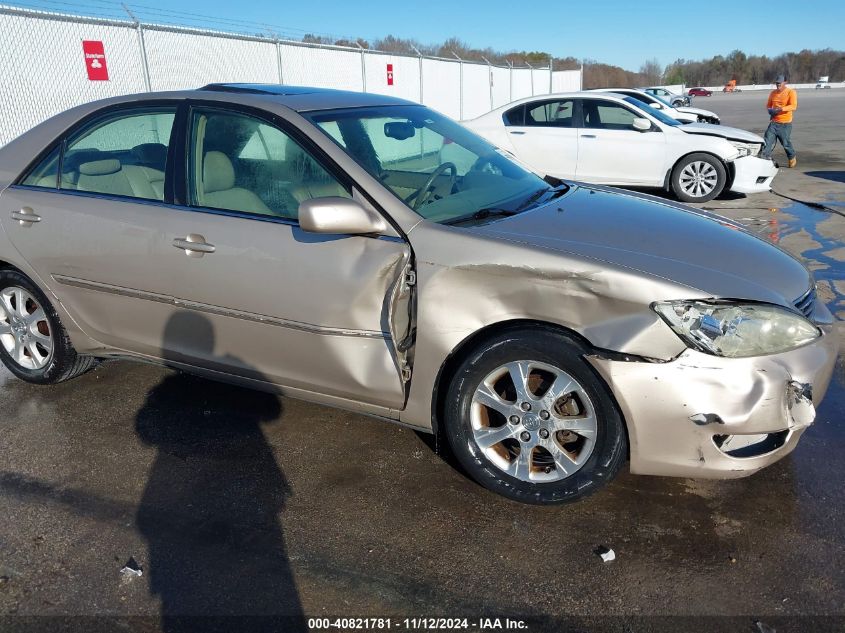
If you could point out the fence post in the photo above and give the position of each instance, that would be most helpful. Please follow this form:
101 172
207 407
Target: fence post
420 56
279 61
551 75
489 79
461 83
531 69
510 79
363 67
141 47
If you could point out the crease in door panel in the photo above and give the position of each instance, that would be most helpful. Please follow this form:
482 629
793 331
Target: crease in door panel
217 310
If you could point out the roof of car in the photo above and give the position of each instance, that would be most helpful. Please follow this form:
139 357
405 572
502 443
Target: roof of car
582 94
307 98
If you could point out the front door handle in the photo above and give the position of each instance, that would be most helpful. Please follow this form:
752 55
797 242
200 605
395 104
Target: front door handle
26 216
516 132
588 136
194 245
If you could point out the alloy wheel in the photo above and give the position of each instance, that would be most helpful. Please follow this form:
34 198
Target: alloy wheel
698 179
533 421
25 332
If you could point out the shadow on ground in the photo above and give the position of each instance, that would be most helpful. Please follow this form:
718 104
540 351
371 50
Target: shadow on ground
211 509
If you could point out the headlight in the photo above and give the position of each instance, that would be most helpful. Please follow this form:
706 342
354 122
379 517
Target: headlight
736 330
746 149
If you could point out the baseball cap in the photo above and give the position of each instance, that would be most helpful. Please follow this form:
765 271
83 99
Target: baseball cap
780 79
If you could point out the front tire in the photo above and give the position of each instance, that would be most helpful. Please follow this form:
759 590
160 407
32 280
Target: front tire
34 345
527 418
698 178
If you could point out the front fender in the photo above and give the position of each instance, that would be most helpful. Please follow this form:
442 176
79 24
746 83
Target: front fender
490 282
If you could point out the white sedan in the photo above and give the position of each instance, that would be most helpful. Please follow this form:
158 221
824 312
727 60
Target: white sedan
609 139
684 114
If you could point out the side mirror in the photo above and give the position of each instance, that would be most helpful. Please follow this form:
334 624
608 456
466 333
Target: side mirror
642 125
656 106
338 215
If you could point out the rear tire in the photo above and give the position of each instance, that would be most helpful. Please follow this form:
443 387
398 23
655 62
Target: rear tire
698 178
556 438
34 344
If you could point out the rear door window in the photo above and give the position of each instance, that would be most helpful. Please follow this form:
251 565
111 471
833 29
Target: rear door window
124 154
558 113
515 116
46 172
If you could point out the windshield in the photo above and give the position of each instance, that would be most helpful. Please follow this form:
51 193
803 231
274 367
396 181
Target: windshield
440 169
661 100
657 114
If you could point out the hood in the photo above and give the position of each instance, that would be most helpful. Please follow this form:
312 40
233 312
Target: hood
732 133
697 111
682 244
680 115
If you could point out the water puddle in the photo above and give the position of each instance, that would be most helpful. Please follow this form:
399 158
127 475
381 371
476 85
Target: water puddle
796 227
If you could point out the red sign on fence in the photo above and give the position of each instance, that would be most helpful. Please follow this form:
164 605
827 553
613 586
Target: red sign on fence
390 74
95 60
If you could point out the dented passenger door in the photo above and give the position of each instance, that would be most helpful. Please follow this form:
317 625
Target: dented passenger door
312 312
325 313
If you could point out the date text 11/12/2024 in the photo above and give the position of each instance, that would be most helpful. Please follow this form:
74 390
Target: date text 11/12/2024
416 624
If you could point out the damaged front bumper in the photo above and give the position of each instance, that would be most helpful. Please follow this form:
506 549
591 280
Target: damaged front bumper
753 174
706 416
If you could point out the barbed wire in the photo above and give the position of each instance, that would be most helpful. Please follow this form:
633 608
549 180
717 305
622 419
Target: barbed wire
112 10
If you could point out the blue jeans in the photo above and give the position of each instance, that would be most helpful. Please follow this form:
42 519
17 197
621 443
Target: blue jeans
778 132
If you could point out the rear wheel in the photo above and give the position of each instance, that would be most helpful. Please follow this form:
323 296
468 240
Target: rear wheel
34 345
698 178
528 419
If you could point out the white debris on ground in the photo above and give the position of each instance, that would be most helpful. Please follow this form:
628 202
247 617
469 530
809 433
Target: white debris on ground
132 568
607 554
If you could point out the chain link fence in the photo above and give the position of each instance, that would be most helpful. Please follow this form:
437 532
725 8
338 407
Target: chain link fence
44 72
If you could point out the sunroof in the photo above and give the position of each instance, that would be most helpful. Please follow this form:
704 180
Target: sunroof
268 89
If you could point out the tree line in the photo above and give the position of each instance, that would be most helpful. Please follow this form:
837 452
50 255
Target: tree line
449 49
805 66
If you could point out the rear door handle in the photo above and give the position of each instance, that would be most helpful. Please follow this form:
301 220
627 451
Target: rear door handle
194 245
26 216
515 132
588 136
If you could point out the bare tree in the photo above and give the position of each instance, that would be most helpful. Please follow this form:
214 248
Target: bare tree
652 71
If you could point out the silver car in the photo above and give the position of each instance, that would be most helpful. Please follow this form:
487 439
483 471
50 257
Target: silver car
309 242
675 100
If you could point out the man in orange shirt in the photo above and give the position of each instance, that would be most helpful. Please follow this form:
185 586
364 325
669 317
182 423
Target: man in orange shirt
783 101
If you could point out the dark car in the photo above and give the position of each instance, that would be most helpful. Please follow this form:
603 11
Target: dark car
699 92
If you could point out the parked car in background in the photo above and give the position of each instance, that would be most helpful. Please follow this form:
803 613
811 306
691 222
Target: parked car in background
684 114
823 82
699 92
673 99
608 138
311 243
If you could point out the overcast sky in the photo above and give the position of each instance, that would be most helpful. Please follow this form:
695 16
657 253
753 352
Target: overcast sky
624 33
